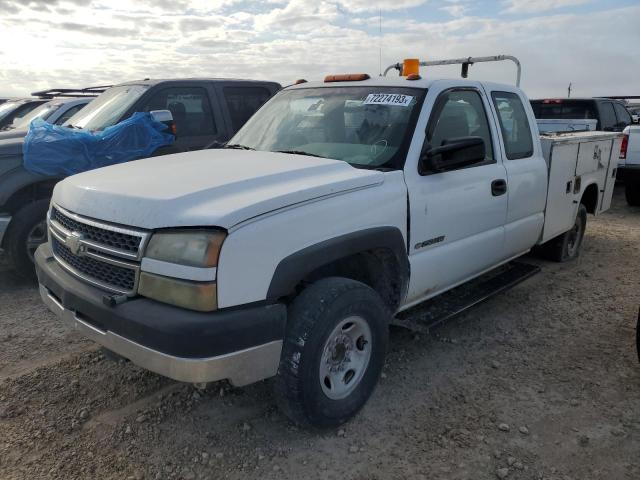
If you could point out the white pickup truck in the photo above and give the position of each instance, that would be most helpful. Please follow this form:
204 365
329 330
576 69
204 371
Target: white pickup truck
337 206
629 164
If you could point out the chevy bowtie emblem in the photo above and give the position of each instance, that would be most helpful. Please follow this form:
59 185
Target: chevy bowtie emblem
74 243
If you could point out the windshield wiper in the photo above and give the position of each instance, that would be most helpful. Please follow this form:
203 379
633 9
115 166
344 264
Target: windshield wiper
237 146
299 152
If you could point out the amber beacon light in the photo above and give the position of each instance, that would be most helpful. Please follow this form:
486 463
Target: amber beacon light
410 66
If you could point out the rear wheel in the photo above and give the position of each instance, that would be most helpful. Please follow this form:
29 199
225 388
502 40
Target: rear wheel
333 353
632 192
566 247
26 232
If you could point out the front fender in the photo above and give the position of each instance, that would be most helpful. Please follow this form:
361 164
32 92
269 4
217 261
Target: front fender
294 268
17 179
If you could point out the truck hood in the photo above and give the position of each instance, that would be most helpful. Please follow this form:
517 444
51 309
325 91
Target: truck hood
11 146
206 188
19 133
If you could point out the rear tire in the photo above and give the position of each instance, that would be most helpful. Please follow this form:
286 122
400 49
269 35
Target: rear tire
567 246
333 353
27 231
632 193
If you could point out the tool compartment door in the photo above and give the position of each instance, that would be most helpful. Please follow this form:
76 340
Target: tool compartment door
560 212
611 168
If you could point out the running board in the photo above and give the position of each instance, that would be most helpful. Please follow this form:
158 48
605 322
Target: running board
445 306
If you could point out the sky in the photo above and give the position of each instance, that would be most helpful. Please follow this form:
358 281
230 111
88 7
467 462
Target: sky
594 44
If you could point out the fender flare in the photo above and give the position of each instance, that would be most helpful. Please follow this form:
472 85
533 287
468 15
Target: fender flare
17 179
294 268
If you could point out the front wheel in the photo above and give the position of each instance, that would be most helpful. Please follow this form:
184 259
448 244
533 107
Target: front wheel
333 353
26 232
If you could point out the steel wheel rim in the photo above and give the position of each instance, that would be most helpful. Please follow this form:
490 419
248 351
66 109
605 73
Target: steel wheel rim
345 357
36 237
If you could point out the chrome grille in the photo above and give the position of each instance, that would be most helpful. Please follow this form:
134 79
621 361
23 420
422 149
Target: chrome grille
107 274
102 254
109 238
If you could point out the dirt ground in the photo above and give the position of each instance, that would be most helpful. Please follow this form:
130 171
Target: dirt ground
540 382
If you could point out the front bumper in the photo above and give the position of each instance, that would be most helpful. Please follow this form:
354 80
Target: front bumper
241 345
4 224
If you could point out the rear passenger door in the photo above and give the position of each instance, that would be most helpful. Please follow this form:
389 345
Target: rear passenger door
193 114
526 170
240 102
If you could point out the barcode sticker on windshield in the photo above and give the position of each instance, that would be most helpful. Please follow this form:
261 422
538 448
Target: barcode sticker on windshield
388 99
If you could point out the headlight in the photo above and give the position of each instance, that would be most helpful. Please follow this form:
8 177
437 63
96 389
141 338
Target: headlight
195 248
179 268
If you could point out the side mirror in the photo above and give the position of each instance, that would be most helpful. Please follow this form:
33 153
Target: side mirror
454 153
166 117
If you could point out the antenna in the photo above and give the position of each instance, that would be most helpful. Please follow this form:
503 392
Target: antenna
380 41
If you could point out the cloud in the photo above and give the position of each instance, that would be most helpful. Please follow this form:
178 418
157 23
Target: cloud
112 41
535 6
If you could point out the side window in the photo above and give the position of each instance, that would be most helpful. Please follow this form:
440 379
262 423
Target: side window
190 108
69 113
460 113
514 124
243 102
607 116
624 118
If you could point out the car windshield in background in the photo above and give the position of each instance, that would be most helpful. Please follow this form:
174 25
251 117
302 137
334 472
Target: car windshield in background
43 111
7 107
363 126
107 108
564 109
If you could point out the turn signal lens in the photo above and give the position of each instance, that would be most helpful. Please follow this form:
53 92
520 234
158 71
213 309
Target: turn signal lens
410 66
200 296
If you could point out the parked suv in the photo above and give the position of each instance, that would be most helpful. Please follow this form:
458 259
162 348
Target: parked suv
611 115
16 108
204 111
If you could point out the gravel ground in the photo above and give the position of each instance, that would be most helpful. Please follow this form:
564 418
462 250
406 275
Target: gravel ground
539 382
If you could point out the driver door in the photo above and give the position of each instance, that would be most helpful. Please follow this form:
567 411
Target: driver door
457 216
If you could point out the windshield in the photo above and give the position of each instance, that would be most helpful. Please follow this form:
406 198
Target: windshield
364 126
44 111
107 108
7 107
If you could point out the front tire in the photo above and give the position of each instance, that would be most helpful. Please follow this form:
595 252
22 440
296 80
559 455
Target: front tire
632 193
333 352
26 232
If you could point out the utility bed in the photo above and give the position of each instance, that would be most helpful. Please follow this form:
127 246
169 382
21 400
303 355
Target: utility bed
575 159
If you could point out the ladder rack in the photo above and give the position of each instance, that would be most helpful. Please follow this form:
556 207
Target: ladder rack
465 62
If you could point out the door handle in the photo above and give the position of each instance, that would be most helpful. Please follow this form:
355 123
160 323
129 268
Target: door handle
498 187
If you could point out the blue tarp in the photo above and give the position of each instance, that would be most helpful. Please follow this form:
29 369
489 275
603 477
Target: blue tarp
60 151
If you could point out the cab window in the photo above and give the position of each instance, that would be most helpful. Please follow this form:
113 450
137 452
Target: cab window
514 125
460 113
189 107
624 119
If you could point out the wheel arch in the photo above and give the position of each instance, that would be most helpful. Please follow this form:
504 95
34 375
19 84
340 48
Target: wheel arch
590 197
375 256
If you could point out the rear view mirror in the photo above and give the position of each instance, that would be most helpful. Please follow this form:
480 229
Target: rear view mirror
166 117
454 153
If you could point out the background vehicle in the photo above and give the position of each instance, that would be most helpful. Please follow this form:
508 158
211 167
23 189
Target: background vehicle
629 164
611 115
338 206
63 104
16 108
204 111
